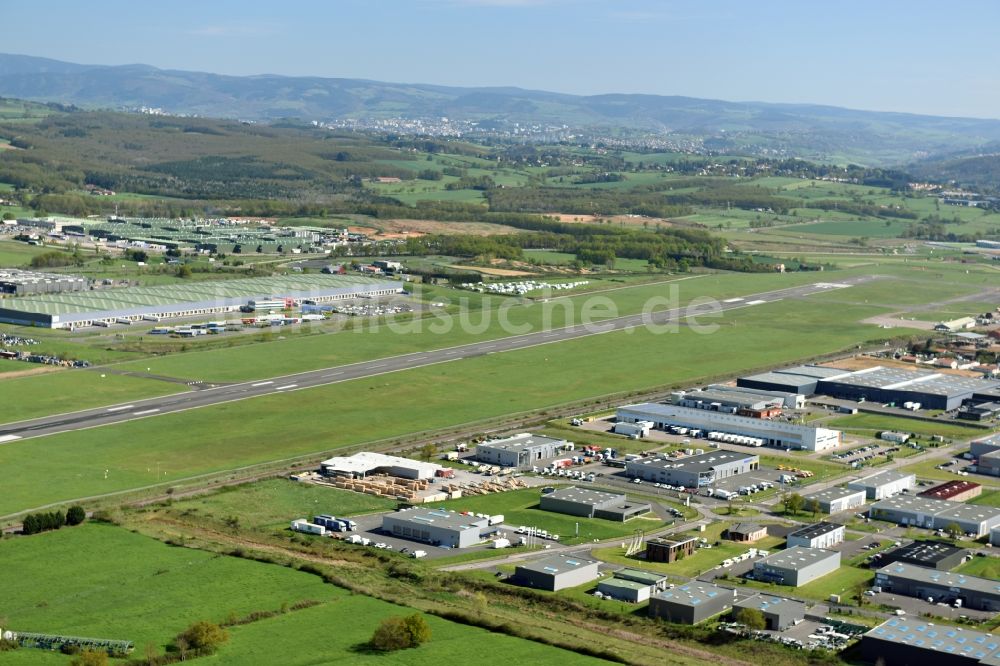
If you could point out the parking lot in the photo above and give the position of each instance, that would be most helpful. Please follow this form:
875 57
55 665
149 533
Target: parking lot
918 607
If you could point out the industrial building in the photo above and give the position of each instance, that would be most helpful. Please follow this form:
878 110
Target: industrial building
984 446
691 603
632 585
995 536
670 550
893 385
937 514
796 566
556 572
521 450
954 491
637 429
779 613
131 304
883 484
362 464
437 527
24 283
772 433
800 379
588 503
941 586
818 535
746 532
911 642
693 471
787 400
730 401
835 500
989 464
930 554
986 451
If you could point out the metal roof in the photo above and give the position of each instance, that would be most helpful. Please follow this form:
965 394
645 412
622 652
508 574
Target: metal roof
585 495
695 593
521 441
768 603
797 557
439 518
815 530
556 564
703 462
880 479
947 579
836 493
945 639
906 379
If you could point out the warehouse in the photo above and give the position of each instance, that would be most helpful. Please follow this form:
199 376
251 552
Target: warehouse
796 566
989 464
637 429
954 491
437 527
732 401
883 484
930 554
360 465
632 585
937 514
981 447
588 503
910 642
801 379
521 450
941 586
691 603
779 613
835 500
787 400
893 385
24 283
818 535
995 536
110 306
669 550
556 573
746 532
773 433
692 471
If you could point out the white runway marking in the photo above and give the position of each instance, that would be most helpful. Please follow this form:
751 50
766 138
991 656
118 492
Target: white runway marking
145 411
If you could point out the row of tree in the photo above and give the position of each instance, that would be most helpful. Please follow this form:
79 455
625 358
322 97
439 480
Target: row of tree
34 523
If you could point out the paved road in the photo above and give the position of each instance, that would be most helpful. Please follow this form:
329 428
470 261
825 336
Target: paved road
215 395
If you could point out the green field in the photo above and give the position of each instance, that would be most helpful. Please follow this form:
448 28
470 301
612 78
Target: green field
703 559
103 581
843 582
869 424
987 498
520 507
15 254
985 567
275 502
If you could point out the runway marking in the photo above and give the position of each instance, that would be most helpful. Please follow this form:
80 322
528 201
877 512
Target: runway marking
285 387
732 300
8 438
755 302
118 409
145 411
261 384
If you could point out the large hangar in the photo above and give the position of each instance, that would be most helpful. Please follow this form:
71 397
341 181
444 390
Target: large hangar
128 304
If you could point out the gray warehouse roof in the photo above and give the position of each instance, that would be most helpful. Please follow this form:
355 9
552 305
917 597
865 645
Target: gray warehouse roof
797 557
702 462
943 509
905 379
815 530
585 495
949 640
521 441
941 578
439 518
694 593
556 564
830 494
768 603
881 479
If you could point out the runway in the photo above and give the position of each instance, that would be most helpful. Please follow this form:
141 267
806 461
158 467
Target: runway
205 397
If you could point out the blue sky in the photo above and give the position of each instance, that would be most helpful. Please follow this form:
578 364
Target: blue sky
915 55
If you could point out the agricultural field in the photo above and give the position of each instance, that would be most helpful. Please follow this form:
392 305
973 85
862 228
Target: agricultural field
116 584
520 507
703 559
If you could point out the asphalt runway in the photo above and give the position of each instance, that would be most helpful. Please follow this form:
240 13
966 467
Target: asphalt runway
215 395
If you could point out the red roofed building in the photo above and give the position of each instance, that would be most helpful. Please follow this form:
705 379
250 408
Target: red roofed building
954 491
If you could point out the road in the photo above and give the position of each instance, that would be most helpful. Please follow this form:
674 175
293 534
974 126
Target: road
214 395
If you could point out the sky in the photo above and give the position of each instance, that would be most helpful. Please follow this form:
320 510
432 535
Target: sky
913 56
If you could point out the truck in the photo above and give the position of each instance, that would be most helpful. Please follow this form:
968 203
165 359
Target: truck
721 494
303 525
496 520
335 524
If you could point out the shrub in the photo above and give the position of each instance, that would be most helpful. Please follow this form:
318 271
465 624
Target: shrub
203 636
90 658
399 633
75 515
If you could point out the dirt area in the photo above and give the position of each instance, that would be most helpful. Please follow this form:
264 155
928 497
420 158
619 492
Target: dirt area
27 372
862 362
635 220
403 228
889 321
501 272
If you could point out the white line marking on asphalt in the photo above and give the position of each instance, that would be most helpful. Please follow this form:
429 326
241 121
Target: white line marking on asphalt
8 438
285 387
145 411
118 409
261 384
